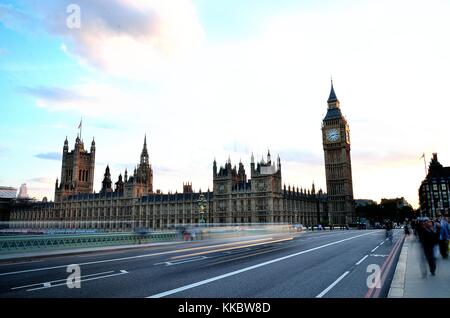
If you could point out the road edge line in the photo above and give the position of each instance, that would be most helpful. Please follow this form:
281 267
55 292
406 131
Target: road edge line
397 288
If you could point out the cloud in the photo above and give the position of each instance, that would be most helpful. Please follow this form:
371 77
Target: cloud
389 158
237 147
124 36
301 157
41 180
269 90
88 97
49 156
165 170
55 94
108 125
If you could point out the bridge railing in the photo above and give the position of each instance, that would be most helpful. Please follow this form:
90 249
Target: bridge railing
23 243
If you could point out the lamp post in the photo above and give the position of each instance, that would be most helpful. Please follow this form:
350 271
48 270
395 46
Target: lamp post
202 207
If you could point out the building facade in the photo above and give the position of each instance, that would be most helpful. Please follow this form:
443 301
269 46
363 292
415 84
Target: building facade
132 204
7 197
338 166
77 170
434 190
235 198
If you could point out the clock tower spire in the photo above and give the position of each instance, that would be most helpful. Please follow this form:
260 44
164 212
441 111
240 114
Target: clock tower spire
338 168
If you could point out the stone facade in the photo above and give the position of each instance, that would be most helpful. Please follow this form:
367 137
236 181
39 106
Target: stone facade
235 198
338 166
133 204
77 171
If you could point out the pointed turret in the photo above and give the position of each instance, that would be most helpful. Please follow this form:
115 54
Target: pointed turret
106 183
144 153
332 97
333 101
93 145
66 147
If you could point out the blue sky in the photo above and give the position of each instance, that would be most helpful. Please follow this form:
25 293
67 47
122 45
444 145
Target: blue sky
211 79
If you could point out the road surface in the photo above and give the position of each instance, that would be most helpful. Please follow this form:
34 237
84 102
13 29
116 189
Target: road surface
336 264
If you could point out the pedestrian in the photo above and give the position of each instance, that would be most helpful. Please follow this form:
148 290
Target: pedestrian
444 235
407 229
429 239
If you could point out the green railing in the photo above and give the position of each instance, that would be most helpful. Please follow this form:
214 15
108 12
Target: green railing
25 243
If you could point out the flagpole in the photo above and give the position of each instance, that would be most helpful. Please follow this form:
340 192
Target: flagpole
425 164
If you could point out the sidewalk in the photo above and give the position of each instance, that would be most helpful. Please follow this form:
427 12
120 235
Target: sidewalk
409 280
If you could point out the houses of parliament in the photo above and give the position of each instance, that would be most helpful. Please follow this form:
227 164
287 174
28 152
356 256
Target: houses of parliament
131 202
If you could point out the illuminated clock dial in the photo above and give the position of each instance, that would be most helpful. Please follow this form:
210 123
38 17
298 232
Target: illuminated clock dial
332 135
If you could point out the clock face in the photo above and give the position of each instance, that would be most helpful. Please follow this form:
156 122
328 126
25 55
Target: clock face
332 135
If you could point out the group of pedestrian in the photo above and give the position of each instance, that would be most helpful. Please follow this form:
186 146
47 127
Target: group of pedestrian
434 236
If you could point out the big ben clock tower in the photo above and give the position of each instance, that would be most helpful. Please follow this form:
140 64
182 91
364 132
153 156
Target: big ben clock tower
338 167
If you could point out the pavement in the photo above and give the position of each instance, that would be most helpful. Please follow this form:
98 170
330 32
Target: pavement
319 264
410 280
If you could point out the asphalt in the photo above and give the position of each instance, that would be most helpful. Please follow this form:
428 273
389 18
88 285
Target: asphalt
319 264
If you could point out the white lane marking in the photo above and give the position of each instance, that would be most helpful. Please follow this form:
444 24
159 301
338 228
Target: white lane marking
183 261
60 280
326 290
379 255
239 247
47 284
362 260
186 261
381 243
374 249
127 258
122 272
206 281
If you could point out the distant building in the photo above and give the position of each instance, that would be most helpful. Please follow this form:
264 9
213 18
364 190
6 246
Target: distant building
133 204
364 202
399 202
7 196
23 192
434 189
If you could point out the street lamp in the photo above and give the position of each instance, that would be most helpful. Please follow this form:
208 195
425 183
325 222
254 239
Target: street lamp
202 207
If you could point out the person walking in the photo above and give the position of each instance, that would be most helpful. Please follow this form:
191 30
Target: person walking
407 228
429 238
444 235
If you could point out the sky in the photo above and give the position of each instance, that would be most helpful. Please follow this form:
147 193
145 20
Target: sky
216 79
